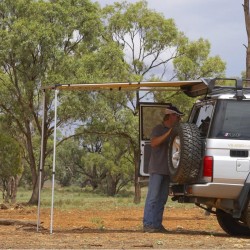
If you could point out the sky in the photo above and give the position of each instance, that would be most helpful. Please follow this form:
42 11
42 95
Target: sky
221 22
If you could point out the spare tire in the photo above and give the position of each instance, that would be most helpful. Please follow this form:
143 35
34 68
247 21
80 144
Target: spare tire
184 153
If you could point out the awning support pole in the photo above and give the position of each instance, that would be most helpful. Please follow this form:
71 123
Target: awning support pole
54 164
41 162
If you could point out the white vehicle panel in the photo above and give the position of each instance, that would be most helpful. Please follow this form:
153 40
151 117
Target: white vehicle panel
226 168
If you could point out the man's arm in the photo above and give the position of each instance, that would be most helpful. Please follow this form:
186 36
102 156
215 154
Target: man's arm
156 141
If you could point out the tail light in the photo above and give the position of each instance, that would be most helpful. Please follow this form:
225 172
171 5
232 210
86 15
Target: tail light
208 163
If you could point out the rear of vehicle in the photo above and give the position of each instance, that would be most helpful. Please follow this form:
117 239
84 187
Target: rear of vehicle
226 147
209 156
224 124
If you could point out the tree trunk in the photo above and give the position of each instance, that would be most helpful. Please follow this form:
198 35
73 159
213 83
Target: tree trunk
35 177
111 185
36 170
35 192
247 23
137 197
11 189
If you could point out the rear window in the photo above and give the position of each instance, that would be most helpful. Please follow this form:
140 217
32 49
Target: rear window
231 120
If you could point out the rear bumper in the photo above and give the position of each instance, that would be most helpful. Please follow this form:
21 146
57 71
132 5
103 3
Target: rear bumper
214 190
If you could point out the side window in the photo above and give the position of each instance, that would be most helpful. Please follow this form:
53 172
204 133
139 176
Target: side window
201 116
231 120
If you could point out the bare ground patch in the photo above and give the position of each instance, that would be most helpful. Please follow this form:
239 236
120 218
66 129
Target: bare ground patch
114 229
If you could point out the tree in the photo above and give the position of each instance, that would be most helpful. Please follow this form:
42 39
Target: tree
97 160
119 163
108 122
151 41
11 166
247 23
81 160
49 42
38 40
66 153
147 37
194 61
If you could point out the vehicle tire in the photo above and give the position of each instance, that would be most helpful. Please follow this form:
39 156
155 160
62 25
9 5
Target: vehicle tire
184 153
231 225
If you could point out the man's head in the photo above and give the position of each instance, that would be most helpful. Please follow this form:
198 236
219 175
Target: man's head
172 116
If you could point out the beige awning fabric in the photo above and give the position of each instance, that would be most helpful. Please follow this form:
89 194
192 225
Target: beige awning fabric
191 88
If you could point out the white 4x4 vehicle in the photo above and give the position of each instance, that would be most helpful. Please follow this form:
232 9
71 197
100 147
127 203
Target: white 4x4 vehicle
209 157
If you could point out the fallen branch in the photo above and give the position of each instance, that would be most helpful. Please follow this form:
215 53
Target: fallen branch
8 222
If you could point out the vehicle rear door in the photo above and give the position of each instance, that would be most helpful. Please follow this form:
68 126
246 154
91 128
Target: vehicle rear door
150 114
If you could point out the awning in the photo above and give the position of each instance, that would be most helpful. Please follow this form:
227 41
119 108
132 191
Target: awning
192 88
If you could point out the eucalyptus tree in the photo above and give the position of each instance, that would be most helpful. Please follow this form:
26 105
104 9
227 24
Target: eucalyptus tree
81 161
247 24
11 165
39 44
147 39
110 127
119 163
194 61
151 42
146 35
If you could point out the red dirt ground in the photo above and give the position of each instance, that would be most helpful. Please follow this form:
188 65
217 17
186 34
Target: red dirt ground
114 229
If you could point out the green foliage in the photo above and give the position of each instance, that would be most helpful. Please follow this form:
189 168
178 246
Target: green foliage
11 167
10 156
182 101
194 61
75 197
119 163
52 42
144 34
103 151
103 162
44 43
68 198
64 160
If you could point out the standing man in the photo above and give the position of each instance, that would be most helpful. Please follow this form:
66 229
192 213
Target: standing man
159 179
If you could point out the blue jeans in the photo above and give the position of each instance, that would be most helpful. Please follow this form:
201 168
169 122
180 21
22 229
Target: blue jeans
158 190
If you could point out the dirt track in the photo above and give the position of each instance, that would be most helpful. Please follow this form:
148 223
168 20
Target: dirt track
115 229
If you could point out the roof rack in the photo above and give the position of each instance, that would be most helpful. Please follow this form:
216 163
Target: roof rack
238 90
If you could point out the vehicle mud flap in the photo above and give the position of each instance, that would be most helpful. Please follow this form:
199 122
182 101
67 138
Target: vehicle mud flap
184 153
232 226
243 201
